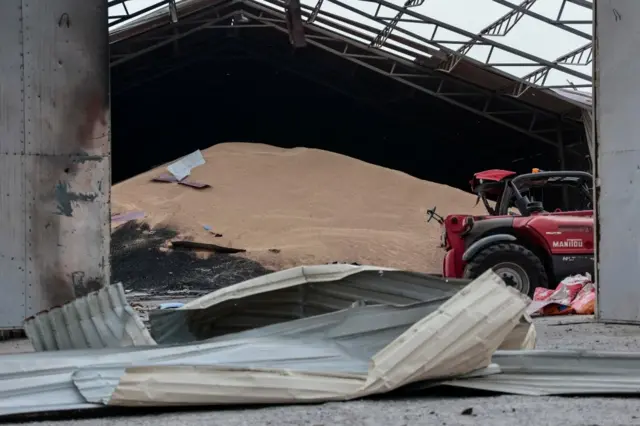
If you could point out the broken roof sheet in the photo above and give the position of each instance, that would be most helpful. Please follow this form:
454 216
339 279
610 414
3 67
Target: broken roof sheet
342 360
102 319
560 372
545 44
295 293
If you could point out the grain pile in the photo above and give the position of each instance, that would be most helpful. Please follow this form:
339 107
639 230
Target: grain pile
312 206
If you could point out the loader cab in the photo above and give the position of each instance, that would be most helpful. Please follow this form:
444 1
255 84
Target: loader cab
505 193
489 186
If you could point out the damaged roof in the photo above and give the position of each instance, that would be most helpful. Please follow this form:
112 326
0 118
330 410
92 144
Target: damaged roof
344 354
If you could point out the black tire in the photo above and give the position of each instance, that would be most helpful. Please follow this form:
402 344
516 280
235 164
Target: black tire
524 264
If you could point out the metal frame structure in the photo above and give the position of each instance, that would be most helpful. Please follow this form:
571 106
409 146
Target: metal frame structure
431 41
381 50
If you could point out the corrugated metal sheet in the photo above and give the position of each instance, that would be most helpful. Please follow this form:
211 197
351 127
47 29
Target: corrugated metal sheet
48 381
544 372
102 319
456 339
295 293
368 350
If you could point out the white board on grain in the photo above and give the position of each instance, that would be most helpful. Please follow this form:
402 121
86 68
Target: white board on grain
182 168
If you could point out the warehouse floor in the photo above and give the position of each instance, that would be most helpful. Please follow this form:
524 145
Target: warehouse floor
556 332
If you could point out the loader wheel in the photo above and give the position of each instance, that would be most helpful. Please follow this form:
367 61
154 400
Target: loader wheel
518 266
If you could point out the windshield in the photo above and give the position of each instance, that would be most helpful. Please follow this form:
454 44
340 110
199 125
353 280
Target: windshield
552 198
555 193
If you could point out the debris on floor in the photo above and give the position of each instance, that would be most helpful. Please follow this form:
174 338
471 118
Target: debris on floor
102 319
211 231
345 354
574 295
182 168
296 293
308 334
194 245
165 177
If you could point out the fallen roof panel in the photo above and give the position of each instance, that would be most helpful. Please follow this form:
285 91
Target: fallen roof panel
345 360
102 319
292 294
557 372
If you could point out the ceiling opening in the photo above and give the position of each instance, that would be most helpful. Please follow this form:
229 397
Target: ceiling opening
251 85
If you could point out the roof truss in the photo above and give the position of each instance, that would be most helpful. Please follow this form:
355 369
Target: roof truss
383 52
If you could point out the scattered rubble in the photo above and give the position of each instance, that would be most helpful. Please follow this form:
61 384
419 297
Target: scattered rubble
194 245
345 354
167 178
182 168
300 334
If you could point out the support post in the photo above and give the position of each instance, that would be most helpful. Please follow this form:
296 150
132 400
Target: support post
617 165
563 166
54 154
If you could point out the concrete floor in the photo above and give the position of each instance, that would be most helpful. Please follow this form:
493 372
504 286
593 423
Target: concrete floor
559 332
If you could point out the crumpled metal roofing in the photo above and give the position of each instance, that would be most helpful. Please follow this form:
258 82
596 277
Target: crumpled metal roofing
295 293
105 319
367 350
560 372
102 319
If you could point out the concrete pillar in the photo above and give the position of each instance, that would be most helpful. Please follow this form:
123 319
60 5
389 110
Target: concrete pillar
617 151
54 153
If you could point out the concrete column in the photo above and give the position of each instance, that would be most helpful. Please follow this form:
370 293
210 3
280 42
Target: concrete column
617 151
54 153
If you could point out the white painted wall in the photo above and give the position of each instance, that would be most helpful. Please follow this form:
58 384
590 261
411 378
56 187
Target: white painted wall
54 153
617 147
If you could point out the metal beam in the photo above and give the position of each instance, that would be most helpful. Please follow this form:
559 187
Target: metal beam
171 39
118 19
580 56
316 10
383 35
510 113
583 3
429 44
500 27
544 19
348 29
430 84
480 40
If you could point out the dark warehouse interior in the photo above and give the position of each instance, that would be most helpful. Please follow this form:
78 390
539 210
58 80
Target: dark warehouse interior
252 85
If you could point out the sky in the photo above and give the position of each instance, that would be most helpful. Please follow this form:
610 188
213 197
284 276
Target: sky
530 35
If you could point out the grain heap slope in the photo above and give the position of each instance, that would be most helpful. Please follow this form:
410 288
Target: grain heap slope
313 206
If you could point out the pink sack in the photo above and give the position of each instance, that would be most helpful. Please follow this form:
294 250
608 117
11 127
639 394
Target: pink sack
559 300
585 301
